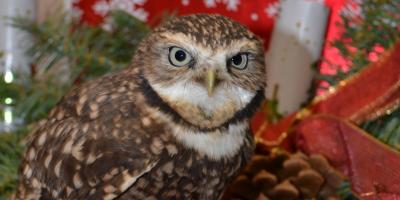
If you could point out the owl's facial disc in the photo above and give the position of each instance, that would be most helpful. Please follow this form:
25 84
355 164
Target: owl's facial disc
205 86
205 79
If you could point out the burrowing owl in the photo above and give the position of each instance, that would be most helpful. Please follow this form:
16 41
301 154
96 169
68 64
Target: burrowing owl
172 126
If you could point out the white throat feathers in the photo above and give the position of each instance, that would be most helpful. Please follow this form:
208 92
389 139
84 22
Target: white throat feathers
217 144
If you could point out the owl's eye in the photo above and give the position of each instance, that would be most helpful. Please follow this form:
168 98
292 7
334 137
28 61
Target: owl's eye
178 57
239 61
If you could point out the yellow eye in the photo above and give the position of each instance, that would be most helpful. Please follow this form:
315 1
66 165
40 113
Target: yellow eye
239 61
179 57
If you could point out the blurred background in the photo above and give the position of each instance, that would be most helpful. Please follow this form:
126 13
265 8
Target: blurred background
333 81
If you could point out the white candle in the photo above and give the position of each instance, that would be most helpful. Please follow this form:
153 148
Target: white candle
296 44
13 42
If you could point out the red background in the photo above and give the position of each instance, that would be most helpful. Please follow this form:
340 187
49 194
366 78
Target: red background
263 26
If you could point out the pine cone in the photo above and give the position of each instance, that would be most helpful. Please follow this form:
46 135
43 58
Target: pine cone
283 176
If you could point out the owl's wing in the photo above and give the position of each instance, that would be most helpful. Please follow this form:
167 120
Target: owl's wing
93 145
70 160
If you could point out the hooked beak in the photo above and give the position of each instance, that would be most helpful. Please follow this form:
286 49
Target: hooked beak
210 81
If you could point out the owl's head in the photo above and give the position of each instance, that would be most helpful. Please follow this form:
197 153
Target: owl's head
207 70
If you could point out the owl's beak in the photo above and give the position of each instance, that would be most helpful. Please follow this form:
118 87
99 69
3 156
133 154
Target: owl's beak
210 81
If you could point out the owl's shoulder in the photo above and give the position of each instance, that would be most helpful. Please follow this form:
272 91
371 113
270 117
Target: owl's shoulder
95 141
103 94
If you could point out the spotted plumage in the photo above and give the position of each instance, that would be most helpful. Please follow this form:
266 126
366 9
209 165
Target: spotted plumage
174 125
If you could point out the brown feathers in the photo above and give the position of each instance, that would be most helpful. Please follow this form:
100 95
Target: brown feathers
153 131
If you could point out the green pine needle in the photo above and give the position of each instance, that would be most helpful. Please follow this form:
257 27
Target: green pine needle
11 149
386 129
344 192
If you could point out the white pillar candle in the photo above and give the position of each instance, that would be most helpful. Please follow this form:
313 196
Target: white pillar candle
296 44
13 42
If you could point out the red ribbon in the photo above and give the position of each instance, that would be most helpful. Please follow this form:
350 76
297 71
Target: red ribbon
368 94
372 167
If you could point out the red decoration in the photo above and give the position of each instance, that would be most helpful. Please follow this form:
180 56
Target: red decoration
258 15
325 128
372 167
359 101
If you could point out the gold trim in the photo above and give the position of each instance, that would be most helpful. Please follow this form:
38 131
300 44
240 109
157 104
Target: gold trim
274 143
363 112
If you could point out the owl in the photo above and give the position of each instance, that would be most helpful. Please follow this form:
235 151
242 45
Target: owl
174 125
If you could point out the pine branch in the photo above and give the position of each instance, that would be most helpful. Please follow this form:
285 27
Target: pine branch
386 129
11 150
